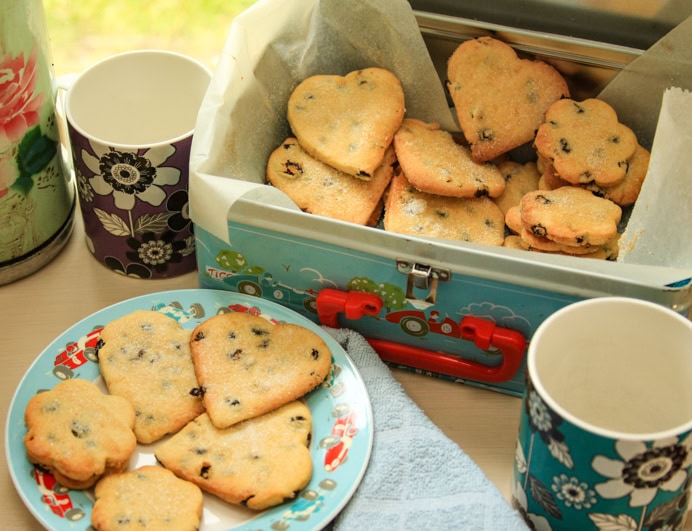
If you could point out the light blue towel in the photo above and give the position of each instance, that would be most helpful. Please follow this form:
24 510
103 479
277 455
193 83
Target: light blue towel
417 477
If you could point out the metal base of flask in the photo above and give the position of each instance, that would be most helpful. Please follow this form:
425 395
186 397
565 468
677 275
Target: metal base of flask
31 262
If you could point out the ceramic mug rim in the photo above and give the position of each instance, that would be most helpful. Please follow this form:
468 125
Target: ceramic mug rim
119 145
532 373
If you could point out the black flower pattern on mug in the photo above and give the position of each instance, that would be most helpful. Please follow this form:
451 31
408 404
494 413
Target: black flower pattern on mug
178 204
156 251
129 175
131 270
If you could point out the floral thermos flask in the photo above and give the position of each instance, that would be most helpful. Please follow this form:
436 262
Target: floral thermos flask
37 195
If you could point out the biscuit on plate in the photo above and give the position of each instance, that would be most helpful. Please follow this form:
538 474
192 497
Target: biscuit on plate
78 433
247 366
258 463
434 163
149 497
348 121
410 211
322 190
498 97
145 357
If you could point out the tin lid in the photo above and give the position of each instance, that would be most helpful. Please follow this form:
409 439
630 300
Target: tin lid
632 23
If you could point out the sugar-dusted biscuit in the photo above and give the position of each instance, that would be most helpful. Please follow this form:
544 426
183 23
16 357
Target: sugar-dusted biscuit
626 192
348 121
551 180
571 216
623 193
247 366
434 163
585 142
513 241
320 189
149 497
513 219
145 357
259 463
79 433
542 185
376 215
599 253
540 243
410 211
519 180
499 98
523 238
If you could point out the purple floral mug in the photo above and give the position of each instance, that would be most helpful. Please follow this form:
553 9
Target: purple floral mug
130 119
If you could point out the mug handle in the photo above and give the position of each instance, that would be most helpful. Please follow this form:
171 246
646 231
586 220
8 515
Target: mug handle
62 85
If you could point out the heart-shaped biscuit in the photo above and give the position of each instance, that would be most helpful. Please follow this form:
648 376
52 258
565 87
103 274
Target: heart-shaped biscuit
435 164
410 211
319 189
144 356
258 463
348 121
499 98
247 366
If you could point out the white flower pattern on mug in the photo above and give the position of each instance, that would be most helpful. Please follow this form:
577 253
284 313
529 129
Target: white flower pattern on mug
86 192
573 492
639 471
127 175
545 422
643 471
520 503
155 252
155 239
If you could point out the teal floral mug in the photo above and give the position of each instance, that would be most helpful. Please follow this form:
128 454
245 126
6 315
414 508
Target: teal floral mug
605 438
131 119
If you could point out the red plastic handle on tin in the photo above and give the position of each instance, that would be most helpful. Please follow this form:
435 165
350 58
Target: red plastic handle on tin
485 334
353 304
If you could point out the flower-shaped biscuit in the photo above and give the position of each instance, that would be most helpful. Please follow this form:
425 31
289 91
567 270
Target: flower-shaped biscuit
79 433
585 142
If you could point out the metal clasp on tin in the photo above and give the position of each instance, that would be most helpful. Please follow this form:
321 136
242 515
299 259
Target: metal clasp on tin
424 277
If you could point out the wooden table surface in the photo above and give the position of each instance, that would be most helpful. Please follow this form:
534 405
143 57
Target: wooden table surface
37 309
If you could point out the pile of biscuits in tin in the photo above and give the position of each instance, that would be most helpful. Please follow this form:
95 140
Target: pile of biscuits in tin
355 156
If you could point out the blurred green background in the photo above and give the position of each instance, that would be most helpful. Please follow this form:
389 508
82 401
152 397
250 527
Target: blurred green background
82 33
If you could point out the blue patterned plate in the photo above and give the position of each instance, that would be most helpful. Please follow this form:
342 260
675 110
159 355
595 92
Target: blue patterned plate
342 421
